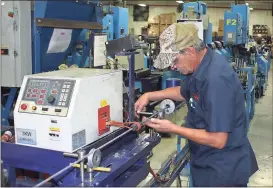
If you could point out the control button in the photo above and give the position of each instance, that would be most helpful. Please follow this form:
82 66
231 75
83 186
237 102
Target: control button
29 90
65 97
67 90
64 86
23 106
34 96
35 90
50 99
40 102
28 95
62 97
58 110
63 104
43 91
60 103
63 90
34 107
42 96
68 86
44 109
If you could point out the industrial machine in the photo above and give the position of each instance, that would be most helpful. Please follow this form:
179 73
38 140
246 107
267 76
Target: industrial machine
56 101
196 12
263 59
73 135
244 56
58 113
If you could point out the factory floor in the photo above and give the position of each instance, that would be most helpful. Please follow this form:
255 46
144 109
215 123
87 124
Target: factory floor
260 136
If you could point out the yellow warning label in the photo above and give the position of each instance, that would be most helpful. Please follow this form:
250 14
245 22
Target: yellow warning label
103 103
54 129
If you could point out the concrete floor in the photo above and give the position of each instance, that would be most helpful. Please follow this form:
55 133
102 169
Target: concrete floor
260 135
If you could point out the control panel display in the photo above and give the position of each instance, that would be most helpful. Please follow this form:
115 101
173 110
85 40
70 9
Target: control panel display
47 96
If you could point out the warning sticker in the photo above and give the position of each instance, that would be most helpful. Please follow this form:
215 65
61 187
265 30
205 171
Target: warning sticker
26 136
54 134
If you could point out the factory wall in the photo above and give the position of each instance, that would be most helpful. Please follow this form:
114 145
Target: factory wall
262 17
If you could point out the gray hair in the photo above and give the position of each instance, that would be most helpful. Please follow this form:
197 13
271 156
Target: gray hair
199 46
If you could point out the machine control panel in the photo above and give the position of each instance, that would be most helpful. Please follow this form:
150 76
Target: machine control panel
46 96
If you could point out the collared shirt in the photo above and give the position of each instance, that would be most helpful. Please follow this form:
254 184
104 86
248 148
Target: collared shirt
215 100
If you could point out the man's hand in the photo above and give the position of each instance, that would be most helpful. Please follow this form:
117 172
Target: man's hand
217 140
141 103
160 125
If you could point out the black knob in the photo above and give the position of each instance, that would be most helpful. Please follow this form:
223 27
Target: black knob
50 99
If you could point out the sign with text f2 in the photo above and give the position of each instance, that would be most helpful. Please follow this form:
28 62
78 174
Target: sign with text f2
231 21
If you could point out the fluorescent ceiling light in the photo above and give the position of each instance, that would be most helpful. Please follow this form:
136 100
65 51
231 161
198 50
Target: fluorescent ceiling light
142 5
2 3
180 1
250 8
247 4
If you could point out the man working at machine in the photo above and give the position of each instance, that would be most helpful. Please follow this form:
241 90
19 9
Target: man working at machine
216 128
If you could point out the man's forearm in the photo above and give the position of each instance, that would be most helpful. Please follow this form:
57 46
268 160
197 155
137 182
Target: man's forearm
169 93
200 136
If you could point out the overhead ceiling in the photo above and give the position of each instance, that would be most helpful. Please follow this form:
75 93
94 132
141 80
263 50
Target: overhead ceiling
256 4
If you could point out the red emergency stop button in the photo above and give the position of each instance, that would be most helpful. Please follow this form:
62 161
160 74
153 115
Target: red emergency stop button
23 106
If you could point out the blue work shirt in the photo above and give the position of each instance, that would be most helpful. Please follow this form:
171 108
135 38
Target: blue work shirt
216 103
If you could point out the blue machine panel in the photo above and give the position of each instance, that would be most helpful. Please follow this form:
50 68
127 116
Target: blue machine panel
232 28
243 10
108 26
198 7
77 11
121 17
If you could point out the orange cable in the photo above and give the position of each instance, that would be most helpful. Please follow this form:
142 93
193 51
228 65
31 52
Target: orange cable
123 124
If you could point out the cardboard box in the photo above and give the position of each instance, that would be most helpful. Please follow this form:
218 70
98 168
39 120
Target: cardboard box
221 25
153 30
220 33
153 20
167 18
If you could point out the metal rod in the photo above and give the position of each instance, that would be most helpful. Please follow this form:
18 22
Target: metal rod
81 155
146 113
90 173
72 155
131 59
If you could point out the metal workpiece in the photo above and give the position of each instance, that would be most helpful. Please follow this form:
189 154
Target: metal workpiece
72 155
